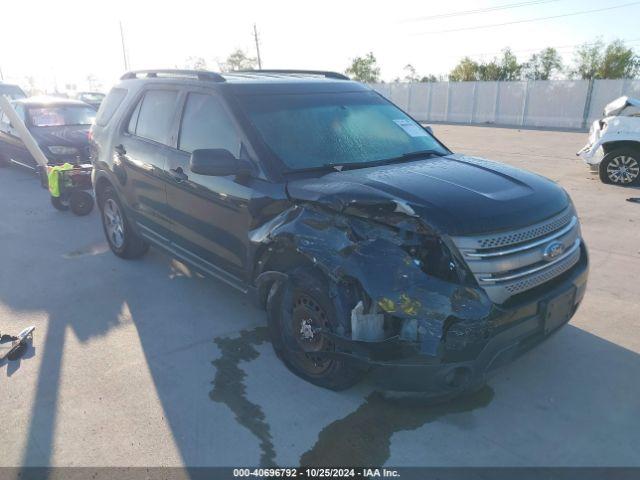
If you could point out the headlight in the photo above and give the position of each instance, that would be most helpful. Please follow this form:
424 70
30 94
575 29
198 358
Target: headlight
60 150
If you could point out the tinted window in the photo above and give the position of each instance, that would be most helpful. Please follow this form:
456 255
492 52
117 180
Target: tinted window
110 105
206 124
156 115
133 120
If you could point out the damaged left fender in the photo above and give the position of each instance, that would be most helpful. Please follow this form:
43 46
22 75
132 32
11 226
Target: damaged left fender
349 247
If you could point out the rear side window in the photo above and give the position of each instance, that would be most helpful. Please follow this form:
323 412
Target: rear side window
206 124
156 115
110 105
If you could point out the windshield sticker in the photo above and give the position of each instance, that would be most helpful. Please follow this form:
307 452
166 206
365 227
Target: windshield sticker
410 128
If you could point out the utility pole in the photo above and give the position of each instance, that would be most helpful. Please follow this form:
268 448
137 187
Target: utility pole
255 37
124 50
1 75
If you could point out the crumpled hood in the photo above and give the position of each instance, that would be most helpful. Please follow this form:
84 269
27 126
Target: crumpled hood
455 194
72 135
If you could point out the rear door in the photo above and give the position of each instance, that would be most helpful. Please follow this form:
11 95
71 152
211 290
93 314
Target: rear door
140 156
210 214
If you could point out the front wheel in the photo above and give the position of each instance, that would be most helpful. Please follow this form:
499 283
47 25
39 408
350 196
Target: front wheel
621 167
122 239
297 310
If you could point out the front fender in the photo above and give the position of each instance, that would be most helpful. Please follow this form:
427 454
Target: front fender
344 247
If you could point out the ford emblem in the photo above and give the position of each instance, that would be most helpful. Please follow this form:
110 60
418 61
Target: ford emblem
553 250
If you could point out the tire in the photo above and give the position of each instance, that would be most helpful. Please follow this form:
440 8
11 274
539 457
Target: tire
60 203
621 167
81 202
294 308
122 239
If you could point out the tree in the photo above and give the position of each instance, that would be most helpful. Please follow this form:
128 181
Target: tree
619 61
489 71
543 65
429 78
510 68
410 74
465 71
239 60
364 69
195 63
588 59
615 60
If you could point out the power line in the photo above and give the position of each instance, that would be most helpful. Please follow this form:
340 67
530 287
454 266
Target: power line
583 12
479 10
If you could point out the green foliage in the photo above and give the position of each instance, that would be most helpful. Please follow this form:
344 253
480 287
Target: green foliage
364 69
543 65
465 71
239 60
616 60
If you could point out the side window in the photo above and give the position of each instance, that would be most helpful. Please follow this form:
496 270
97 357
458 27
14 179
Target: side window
206 124
156 115
109 106
133 120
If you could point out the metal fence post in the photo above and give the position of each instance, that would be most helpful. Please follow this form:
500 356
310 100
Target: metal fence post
496 107
474 106
446 108
525 103
429 97
587 104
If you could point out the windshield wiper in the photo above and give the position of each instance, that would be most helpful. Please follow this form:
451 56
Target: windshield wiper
338 167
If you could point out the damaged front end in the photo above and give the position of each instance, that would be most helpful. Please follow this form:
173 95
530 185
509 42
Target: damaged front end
402 294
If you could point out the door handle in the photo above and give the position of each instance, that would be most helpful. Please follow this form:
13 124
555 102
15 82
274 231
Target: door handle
178 174
120 150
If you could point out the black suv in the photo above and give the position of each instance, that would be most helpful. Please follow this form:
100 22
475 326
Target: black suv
371 245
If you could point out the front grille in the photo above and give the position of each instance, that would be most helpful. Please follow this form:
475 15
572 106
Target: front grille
526 233
509 263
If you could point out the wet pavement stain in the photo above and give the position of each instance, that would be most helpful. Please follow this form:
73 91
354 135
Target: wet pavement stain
229 387
95 249
364 437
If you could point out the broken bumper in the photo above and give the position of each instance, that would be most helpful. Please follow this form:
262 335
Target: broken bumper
398 365
591 153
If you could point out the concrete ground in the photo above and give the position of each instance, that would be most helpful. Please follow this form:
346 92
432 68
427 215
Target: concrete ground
143 363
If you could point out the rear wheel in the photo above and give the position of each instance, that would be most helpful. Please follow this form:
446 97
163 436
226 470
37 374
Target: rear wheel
81 202
621 167
60 203
122 239
297 311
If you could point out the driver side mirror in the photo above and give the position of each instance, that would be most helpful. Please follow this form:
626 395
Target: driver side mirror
217 162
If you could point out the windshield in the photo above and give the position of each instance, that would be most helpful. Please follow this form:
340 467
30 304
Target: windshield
61 116
313 130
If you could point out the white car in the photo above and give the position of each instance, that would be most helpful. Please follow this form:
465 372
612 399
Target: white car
613 149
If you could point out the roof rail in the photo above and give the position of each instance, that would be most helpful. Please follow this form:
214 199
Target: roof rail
336 75
199 74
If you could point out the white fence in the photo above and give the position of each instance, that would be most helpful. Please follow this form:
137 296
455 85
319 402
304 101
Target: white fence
571 104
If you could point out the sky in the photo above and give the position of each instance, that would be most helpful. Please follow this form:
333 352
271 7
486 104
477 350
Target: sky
61 42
